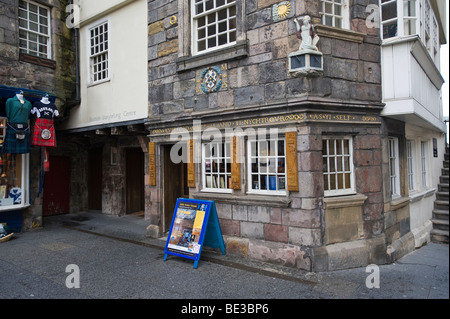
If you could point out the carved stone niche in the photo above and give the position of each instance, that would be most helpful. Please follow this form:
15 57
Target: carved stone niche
306 63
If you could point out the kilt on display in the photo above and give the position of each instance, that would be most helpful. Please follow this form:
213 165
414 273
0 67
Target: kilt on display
44 133
17 139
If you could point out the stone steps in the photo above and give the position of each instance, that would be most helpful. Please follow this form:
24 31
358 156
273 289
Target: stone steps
439 236
440 220
441 224
440 214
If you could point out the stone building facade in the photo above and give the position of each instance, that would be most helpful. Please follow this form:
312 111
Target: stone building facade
316 209
296 147
38 64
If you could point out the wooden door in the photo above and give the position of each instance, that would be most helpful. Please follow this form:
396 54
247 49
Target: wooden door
95 176
175 185
56 187
135 180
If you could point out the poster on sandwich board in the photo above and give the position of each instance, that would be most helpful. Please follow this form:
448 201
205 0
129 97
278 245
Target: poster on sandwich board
194 224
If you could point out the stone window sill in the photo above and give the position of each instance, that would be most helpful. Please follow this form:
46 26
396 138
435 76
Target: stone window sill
341 34
344 201
399 202
251 200
417 196
37 60
233 52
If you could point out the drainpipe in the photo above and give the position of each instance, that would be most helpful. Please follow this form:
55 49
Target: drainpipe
77 64
77 67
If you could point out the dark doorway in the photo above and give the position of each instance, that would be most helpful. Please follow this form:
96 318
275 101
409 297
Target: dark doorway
95 176
135 180
56 187
175 185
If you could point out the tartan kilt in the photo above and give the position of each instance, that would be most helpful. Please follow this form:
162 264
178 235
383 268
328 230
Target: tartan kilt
11 145
39 126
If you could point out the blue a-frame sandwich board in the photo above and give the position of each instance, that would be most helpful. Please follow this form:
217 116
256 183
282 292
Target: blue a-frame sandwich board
210 232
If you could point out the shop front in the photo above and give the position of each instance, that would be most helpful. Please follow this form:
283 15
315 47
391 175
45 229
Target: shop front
16 133
298 185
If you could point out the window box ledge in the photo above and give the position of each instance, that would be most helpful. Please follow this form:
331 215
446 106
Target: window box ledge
249 200
344 201
341 34
229 53
399 202
14 207
37 60
417 196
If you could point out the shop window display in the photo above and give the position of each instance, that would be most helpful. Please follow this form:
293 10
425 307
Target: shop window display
267 166
15 144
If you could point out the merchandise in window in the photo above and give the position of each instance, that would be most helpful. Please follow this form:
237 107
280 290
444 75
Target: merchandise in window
213 24
34 29
267 166
337 156
13 175
216 166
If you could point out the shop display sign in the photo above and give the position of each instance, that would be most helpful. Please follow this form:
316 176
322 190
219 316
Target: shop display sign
195 224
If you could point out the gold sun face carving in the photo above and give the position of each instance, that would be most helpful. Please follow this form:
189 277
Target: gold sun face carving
284 9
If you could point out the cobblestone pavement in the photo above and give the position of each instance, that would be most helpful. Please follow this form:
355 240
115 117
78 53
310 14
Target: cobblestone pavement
116 261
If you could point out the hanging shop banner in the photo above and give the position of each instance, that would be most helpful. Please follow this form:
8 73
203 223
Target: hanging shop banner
195 224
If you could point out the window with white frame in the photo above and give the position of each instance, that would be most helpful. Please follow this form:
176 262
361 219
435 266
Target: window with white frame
409 17
427 17
99 52
435 38
430 35
424 163
34 29
410 152
335 13
399 18
337 154
267 166
213 24
14 180
394 167
216 161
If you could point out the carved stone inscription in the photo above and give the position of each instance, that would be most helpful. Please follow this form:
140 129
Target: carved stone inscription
280 119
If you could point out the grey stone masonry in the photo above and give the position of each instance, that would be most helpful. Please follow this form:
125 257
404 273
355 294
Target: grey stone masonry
55 75
256 68
254 87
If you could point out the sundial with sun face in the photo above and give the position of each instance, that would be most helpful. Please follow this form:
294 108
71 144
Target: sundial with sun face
281 10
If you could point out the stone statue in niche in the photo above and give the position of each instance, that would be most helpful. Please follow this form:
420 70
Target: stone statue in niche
307 34
308 60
